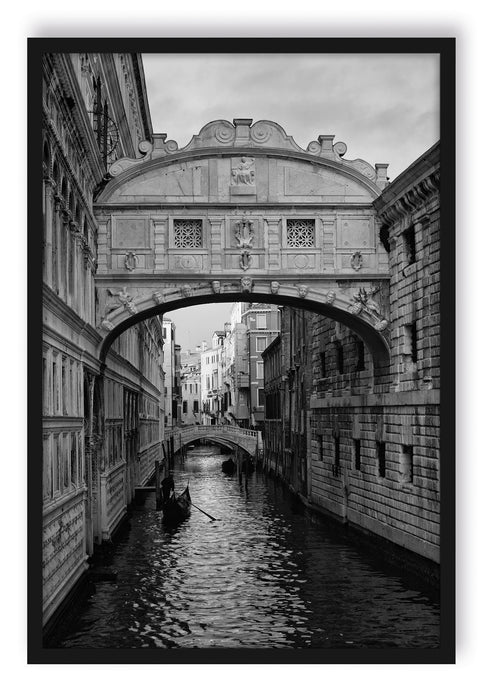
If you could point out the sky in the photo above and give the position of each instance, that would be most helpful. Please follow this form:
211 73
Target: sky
385 107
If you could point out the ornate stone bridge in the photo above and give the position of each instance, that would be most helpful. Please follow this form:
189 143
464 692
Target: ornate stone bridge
242 212
229 435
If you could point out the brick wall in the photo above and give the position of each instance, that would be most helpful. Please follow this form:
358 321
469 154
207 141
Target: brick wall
373 433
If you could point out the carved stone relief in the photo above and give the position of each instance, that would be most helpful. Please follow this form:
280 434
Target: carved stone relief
130 261
356 261
246 284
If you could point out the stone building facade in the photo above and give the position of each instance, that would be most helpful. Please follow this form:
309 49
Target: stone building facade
212 370
101 432
191 387
372 438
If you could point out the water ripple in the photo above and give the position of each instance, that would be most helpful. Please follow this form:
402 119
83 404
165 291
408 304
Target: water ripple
263 575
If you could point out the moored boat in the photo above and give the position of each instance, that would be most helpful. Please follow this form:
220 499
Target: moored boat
228 467
175 509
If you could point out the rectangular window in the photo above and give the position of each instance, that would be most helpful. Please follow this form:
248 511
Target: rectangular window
47 469
261 321
55 463
300 233
336 453
184 407
54 388
196 407
260 344
339 357
322 364
411 342
406 464
188 233
357 455
261 397
409 237
360 355
259 370
380 452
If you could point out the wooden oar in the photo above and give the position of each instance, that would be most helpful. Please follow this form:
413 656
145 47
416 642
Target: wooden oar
205 513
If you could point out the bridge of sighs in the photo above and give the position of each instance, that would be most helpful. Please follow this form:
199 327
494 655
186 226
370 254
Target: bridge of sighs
240 212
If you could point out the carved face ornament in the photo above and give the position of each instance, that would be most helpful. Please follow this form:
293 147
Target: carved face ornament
246 284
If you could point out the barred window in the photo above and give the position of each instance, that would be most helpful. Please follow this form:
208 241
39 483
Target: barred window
188 233
300 233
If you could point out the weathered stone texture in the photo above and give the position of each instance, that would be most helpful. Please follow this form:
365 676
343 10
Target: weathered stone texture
354 403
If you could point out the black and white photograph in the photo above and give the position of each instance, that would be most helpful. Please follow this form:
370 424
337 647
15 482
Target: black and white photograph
241 318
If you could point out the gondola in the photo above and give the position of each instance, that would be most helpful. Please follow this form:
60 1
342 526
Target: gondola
175 509
228 467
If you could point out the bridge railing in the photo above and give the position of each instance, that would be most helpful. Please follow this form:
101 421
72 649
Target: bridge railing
186 429
233 430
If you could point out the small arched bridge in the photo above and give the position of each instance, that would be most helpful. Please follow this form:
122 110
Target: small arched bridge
228 435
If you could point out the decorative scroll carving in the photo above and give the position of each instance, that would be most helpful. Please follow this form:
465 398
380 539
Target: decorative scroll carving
356 261
381 325
245 260
120 297
130 261
244 233
124 164
246 284
362 301
107 325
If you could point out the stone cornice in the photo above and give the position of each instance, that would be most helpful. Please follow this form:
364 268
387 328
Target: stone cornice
50 127
52 302
412 189
65 72
126 169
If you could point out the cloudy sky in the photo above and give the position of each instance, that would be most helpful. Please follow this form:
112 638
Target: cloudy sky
385 107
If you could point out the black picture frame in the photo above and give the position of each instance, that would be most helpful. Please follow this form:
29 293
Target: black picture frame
445 653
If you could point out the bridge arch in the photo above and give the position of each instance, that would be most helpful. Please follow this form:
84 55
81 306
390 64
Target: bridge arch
242 212
249 441
363 321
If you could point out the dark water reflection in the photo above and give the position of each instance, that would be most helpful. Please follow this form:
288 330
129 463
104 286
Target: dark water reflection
263 575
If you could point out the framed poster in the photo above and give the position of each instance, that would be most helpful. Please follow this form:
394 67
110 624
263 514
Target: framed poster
272 494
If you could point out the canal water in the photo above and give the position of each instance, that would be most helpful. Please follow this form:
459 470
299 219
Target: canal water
265 574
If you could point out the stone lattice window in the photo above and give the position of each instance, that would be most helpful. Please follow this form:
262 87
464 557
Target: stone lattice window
300 233
188 233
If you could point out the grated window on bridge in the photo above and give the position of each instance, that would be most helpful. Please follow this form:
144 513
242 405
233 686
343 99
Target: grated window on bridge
300 233
188 233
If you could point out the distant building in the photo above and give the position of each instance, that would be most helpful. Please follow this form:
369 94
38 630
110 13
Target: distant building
191 387
212 362
236 385
262 323
168 332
